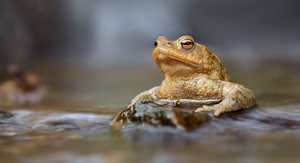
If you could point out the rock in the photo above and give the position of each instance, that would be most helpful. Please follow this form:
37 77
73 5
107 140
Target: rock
5 114
152 114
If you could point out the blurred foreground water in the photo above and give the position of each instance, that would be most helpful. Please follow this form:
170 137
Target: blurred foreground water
72 123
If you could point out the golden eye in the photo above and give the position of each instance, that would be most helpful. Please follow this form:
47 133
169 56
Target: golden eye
187 44
155 44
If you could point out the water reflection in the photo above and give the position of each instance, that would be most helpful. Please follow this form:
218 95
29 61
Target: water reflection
48 136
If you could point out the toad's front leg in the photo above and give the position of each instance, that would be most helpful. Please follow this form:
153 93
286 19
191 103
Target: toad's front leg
235 97
146 96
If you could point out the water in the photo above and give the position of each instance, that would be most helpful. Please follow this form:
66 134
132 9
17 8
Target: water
72 123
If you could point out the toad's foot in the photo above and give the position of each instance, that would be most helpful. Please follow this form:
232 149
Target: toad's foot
235 97
205 108
219 109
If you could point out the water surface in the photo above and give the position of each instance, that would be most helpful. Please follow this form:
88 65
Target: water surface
72 123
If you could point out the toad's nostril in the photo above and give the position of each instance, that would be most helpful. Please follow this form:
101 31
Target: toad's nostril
169 44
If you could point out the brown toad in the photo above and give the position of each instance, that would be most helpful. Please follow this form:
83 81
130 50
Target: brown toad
22 88
194 76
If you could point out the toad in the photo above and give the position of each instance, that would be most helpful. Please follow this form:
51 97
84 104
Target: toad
22 88
194 76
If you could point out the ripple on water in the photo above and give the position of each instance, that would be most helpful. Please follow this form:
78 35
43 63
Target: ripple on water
24 121
244 123
247 122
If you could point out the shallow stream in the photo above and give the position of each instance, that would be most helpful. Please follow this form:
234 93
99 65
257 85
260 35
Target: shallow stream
72 123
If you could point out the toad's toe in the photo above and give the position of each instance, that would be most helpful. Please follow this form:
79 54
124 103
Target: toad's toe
205 109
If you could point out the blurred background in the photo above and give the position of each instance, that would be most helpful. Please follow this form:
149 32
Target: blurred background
104 47
94 56
108 33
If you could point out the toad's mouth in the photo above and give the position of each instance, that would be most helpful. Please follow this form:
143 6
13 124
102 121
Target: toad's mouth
174 54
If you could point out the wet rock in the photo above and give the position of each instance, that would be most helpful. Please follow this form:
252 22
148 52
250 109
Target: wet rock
5 114
152 114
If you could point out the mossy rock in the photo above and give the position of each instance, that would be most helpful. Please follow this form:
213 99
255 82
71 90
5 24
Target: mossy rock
154 115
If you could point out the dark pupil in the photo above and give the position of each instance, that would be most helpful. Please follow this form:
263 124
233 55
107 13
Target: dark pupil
155 43
187 43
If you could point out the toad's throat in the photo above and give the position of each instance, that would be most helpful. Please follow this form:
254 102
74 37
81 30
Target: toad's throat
172 53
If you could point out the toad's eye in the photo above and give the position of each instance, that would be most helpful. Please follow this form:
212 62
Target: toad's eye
155 44
187 44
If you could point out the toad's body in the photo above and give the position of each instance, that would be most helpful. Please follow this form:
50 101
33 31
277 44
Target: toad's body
194 76
22 88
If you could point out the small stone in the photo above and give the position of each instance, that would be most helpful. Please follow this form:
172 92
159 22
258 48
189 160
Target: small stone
5 114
